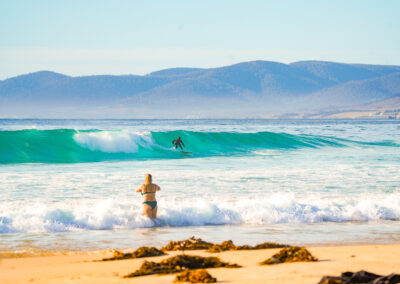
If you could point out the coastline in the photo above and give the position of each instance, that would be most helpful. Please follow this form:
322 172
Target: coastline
79 267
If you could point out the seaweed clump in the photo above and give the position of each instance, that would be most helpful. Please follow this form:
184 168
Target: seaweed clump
179 263
189 244
228 245
291 254
198 244
268 245
140 252
195 276
361 277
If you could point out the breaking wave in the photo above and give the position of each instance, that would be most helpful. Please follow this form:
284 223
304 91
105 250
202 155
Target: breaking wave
110 214
73 146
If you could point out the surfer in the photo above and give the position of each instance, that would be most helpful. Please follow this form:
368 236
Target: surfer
148 190
178 143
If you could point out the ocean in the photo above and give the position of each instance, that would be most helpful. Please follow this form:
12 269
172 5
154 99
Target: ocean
70 184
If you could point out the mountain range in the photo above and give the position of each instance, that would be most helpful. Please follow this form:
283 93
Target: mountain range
248 89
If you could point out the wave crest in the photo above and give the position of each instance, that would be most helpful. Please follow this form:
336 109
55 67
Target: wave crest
112 142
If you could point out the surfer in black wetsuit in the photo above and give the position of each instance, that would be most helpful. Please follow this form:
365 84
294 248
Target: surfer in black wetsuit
178 143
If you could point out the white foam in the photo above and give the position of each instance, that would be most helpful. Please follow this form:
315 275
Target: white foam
117 213
113 141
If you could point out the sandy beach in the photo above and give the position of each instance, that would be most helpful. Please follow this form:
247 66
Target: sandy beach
79 267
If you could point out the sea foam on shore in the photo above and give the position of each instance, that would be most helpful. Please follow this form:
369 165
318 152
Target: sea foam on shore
111 213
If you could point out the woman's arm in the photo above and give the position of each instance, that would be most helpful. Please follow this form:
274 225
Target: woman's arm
157 188
139 189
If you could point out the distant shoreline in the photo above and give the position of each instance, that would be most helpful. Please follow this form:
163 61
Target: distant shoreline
386 114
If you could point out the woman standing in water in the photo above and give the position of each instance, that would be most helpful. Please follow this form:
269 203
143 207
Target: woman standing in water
148 190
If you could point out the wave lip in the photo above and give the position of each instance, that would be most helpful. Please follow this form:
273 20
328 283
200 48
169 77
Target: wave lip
112 142
72 146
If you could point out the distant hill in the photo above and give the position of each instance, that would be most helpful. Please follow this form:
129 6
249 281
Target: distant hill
248 89
337 73
354 93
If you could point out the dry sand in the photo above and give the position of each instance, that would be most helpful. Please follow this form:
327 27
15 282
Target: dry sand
80 268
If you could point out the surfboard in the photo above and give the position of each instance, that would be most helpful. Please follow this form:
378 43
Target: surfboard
186 152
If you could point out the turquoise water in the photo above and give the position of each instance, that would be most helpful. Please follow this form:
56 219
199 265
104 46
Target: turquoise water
69 184
74 146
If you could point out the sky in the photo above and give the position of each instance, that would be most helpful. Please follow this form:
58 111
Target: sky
84 37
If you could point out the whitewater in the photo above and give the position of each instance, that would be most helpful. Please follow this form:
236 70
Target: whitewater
69 184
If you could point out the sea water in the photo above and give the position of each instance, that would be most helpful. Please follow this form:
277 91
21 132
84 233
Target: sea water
70 184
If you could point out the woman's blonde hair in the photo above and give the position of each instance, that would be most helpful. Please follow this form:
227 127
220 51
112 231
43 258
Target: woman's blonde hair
148 179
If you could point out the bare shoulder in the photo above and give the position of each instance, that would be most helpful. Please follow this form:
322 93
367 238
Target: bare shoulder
157 187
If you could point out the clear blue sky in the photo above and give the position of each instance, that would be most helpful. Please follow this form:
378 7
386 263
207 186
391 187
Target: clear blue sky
136 37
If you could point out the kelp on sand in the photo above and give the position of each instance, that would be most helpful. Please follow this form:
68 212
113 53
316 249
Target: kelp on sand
199 244
291 254
195 276
180 263
139 253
